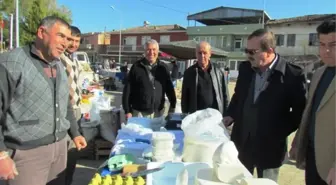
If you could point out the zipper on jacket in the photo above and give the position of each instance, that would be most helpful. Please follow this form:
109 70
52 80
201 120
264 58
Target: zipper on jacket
54 97
153 103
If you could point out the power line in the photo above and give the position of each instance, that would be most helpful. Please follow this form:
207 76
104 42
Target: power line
162 6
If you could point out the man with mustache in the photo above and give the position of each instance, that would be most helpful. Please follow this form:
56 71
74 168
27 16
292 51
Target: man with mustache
73 70
266 107
147 83
35 111
204 85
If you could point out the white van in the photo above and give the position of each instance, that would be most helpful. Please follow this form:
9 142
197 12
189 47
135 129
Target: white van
82 57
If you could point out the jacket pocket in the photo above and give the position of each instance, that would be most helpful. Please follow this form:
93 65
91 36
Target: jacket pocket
29 122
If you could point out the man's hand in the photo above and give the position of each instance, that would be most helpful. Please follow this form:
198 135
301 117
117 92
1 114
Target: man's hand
227 120
331 180
80 142
8 170
128 115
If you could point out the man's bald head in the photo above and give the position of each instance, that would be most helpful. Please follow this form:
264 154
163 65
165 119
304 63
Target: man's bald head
203 54
203 44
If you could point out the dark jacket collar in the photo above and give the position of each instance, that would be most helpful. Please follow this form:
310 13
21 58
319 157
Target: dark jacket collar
208 70
145 62
32 52
280 65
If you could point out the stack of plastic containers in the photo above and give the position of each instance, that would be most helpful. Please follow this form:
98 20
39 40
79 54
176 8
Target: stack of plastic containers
163 144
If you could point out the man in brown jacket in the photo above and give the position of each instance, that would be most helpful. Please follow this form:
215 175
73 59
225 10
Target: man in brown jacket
315 140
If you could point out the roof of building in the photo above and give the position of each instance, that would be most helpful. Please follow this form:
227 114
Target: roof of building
151 29
90 33
305 18
186 49
229 15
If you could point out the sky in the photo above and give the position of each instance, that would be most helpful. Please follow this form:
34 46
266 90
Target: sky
97 15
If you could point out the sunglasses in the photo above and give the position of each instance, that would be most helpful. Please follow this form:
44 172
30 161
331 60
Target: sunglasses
251 51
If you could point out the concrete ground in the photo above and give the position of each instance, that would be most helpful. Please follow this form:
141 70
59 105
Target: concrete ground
289 174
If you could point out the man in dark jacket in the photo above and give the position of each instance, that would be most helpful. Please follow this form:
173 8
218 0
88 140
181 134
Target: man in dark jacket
266 107
204 85
147 84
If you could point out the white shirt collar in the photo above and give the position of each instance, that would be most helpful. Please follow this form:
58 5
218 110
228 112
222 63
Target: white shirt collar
273 62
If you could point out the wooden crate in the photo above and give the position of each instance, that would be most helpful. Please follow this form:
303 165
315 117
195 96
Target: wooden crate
102 148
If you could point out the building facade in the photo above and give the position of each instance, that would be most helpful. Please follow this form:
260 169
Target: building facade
297 35
133 39
227 29
297 39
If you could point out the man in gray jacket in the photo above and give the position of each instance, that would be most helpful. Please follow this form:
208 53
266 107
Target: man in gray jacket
35 111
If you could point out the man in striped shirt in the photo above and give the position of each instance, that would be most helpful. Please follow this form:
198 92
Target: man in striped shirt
73 70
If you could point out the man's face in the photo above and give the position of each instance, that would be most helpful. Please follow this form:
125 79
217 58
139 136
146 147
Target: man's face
203 55
54 39
73 44
152 52
327 48
254 53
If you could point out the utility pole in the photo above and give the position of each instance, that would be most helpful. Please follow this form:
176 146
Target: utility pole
11 32
263 16
17 23
1 34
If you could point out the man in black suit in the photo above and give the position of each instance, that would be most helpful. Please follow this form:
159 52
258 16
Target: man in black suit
266 107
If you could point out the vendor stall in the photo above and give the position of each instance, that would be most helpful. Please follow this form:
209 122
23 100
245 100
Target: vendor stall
175 151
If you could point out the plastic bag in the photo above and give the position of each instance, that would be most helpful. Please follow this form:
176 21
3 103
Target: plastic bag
109 125
99 103
205 124
142 122
155 124
158 123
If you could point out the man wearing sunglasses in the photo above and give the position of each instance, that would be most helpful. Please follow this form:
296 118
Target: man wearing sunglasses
266 107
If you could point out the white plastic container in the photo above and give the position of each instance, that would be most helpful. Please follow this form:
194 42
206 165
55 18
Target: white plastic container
163 158
200 150
162 146
162 152
162 143
163 136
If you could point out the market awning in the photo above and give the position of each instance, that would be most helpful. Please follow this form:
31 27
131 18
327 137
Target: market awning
186 50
